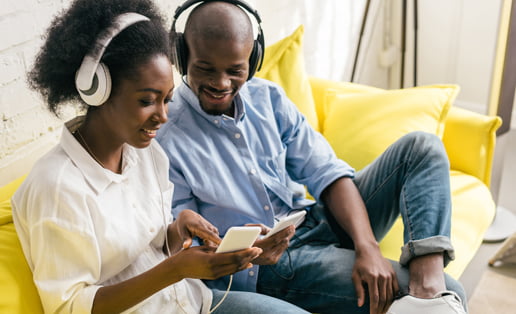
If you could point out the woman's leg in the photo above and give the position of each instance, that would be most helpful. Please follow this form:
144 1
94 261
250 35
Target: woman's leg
252 303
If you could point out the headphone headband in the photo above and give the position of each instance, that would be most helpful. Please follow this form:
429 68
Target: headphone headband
92 88
180 9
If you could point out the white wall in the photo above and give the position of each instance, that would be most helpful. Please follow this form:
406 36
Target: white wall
331 30
456 44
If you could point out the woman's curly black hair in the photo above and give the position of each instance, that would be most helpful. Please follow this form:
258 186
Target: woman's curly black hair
73 33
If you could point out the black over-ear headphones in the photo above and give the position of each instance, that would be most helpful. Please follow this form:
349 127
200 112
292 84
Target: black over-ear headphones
180 54
92 80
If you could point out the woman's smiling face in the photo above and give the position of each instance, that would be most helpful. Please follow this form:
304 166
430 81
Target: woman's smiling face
139 106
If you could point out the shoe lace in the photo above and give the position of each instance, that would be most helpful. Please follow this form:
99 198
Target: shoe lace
458 302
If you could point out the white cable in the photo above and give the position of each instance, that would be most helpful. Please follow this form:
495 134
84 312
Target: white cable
162 209
223 297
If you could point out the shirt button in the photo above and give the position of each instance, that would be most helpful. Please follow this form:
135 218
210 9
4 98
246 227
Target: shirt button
253 171
216 121
151 230
251 273
266 207
237 135
133 205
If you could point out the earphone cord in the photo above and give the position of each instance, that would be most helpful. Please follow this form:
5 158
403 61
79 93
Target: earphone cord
224 296
162 201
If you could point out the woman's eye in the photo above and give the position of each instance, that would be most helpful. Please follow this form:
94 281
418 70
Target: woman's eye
146 102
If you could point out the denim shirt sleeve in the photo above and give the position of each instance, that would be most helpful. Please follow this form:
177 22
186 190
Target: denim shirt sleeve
309 158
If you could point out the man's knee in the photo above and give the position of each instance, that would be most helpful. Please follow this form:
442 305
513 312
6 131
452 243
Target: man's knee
424 144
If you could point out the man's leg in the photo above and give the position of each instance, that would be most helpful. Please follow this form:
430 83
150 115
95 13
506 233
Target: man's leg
412 179
315 272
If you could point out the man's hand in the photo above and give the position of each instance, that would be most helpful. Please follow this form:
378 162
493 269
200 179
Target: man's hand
274 246
373 271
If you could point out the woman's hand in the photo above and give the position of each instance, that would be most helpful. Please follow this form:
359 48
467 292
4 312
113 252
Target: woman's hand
189 224
202 262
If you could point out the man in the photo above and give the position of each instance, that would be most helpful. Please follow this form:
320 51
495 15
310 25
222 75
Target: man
239 154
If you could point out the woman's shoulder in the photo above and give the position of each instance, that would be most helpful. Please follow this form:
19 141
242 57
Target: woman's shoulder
54 169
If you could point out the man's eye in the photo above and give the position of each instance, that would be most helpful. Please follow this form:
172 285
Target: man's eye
236 72
203 69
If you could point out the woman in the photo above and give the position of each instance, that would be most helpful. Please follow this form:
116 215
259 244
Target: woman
93 216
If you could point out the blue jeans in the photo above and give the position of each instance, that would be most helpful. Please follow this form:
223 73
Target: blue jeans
252 303
410 178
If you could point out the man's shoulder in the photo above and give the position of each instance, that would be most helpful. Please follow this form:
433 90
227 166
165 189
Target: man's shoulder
260 83
258 89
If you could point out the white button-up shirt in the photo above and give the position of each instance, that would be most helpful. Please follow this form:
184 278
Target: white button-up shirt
82 226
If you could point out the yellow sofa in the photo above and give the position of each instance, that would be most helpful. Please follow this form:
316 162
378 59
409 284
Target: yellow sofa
359 121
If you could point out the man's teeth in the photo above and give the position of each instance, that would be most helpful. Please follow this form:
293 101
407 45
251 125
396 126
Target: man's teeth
216 96
149 131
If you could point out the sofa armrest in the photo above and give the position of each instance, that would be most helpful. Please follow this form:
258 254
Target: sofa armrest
470 138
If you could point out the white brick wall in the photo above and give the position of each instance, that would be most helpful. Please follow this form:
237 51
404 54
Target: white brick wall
27 128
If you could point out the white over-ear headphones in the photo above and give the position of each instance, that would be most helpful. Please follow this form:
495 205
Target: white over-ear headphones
92 80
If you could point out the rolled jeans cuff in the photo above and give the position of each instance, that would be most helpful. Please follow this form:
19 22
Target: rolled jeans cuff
436 244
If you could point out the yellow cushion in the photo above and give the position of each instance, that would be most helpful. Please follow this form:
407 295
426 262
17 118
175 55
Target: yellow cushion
284 64
320 88
18 293
8 190
360 126
473 211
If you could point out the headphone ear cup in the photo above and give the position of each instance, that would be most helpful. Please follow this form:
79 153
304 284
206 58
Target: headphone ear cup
255 59
100 87
181 53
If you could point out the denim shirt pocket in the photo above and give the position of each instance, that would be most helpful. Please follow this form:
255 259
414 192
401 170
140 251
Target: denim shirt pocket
273 167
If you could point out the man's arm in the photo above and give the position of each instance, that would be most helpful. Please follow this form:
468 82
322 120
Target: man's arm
371 269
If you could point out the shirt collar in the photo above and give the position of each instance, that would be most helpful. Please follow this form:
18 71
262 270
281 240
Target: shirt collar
191 98
98 177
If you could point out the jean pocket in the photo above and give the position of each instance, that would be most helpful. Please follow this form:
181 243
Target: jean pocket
283 268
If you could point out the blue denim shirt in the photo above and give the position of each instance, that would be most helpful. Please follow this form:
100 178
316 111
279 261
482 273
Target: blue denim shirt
249 168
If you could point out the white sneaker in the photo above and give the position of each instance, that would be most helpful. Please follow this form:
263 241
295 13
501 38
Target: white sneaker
446 302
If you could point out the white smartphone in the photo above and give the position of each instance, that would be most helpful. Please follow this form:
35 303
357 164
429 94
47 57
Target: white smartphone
284 222
238 238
